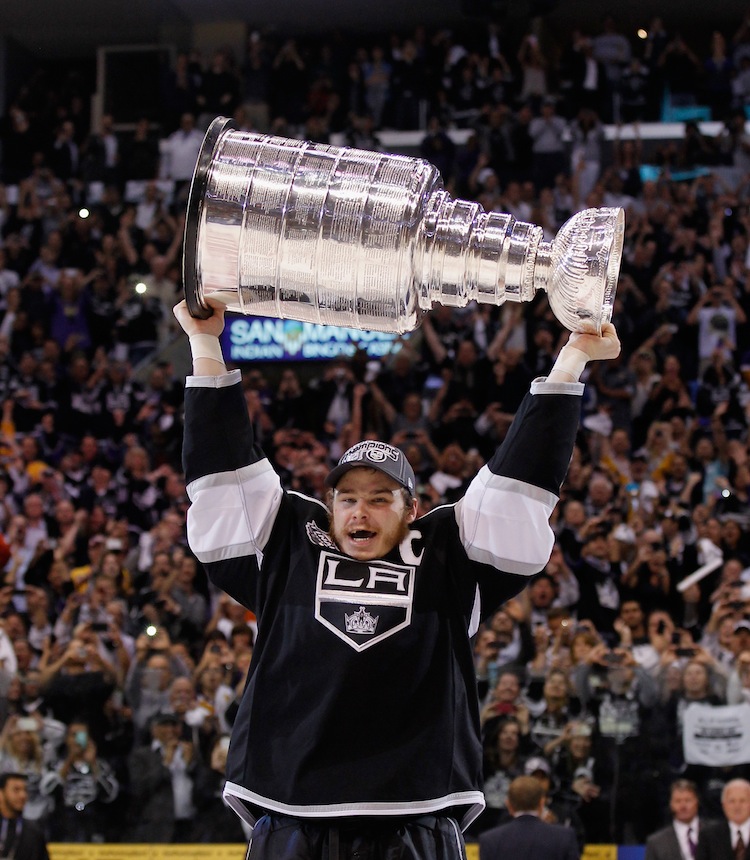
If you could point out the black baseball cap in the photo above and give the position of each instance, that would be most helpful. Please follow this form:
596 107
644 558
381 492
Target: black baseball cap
375 455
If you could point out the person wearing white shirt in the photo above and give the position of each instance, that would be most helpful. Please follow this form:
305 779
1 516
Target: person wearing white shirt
180 153
728 840
679 840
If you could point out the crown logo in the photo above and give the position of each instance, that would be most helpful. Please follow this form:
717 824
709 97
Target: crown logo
361 622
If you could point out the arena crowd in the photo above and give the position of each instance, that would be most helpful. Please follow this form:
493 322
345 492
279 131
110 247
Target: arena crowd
121 667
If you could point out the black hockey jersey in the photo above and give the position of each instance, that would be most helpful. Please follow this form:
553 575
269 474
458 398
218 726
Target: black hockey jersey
361 696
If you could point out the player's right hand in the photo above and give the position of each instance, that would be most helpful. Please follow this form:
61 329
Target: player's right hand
213 325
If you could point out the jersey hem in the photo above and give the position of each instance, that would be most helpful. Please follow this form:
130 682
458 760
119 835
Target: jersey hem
236 797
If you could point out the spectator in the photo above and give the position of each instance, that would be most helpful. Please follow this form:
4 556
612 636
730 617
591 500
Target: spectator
80 783
149 678
552 712
612 50
22 751
726 839
599 583
504 701
376 77
503 762
19 838
533 64
680 68
179 154
78 682
581 772
408 86
162 775
528 833
557 810
547 132
218 92
215 822
680 838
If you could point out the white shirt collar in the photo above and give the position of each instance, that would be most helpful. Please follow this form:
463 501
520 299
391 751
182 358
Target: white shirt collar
681 829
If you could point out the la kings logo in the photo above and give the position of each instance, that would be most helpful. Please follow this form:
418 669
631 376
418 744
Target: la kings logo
362 602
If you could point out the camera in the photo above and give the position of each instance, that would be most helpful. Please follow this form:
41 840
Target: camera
685 652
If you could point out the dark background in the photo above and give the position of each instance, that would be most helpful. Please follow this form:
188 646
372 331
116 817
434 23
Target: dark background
73 28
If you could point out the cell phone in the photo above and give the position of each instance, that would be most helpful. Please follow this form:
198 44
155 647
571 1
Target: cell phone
661 627
685 652
99 626
736 604
676 638
613 659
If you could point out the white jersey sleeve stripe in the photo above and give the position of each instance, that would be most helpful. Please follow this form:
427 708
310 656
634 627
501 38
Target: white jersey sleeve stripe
232 513
504 522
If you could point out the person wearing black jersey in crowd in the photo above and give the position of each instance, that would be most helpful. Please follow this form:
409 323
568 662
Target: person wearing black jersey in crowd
359 723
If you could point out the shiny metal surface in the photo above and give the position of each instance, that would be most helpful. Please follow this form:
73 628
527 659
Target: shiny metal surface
329 235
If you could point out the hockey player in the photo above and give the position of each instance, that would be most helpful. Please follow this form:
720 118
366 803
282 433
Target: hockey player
358 730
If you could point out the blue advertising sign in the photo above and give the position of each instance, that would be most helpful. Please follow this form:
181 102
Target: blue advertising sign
247 338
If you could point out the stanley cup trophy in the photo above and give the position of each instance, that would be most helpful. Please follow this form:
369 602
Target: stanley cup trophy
338 236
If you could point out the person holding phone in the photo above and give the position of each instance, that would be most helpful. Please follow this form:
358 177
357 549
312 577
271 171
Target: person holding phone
81 784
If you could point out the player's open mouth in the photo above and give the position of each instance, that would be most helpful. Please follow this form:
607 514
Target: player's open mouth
361 534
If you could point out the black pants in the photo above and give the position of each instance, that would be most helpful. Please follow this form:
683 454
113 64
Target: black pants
426 837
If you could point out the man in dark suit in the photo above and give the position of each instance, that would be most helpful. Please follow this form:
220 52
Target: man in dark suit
527 837
679 840
729 840
19 838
